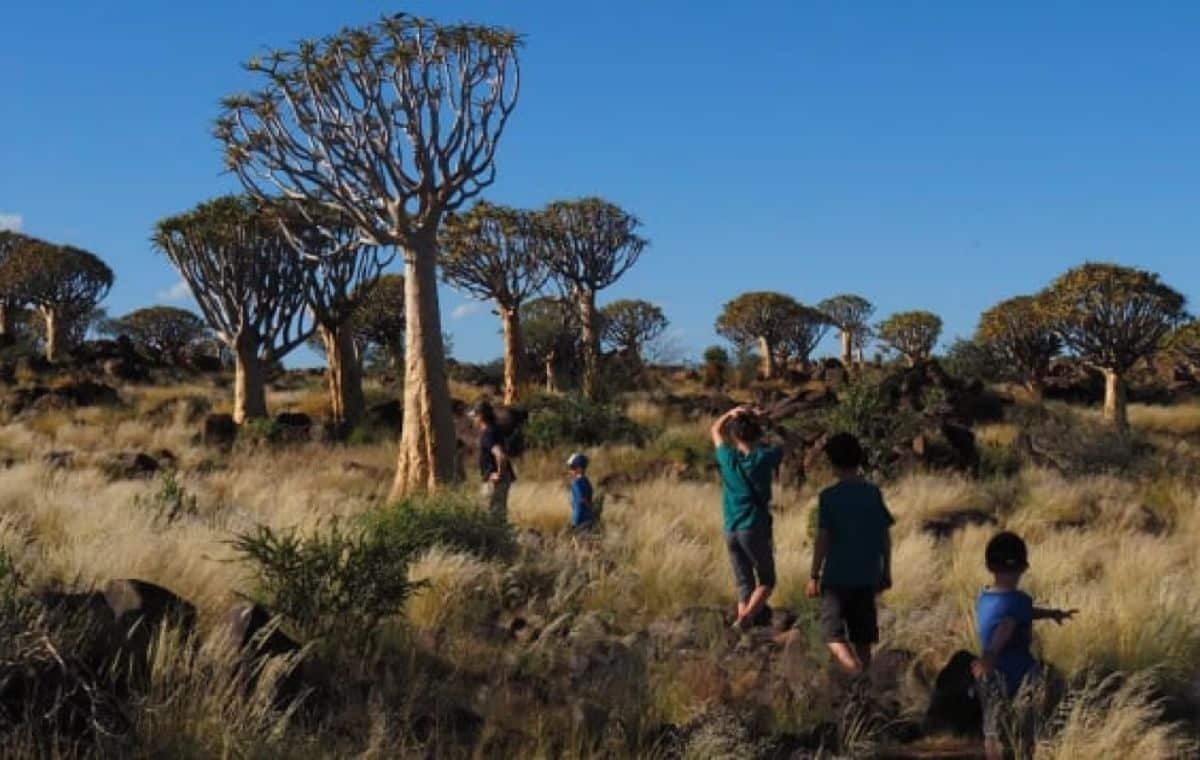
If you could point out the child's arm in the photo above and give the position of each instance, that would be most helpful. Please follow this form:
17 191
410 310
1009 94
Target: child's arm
820 550
1058 616
1000 638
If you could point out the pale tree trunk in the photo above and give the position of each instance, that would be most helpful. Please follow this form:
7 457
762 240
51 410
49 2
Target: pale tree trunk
249 386
591 341
53 335
767 358
1115 400
1037 389
551 374
847 348
511 322
343 373
427 443
5 337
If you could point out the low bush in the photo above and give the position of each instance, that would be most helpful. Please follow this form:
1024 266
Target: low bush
865 411
557 421
453 521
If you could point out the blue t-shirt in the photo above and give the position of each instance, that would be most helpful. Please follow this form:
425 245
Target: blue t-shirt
1015 661
746 485
857 519
581 502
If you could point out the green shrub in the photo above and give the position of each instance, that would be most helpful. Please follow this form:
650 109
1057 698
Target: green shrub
557 421
451 520
865 411
339 581
171 501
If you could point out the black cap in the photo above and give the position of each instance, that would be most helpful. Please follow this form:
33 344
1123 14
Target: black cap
1007 552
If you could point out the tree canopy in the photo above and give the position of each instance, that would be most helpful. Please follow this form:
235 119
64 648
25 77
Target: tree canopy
379 317
494 253
1185 342
912 333
761 317
1020 334
163 331
851 315
803 332
628 325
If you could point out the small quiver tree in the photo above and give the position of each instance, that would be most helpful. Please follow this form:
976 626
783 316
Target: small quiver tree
1020 337
378 319
590 244
62 283
851 315
249 283
913 334
628 326
164 333
10 301
803 332
496 253
393 125
1112 317
550 336
1184 344
761 318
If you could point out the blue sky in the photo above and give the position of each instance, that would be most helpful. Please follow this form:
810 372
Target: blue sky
939 155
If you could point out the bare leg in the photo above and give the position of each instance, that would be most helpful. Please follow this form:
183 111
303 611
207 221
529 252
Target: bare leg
757 599
846 658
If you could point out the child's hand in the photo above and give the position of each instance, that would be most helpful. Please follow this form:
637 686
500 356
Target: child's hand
982 667
813 590
1061 616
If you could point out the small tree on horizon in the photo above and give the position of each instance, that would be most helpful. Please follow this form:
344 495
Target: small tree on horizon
629 325
851 315
550 335
590 244
394 125
911 333
802 334
62 283
496 253
10 302
1112 317
164 332
761 318
1020 335
1184 343
249 283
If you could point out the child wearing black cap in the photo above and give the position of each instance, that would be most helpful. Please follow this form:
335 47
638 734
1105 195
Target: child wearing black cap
1004 618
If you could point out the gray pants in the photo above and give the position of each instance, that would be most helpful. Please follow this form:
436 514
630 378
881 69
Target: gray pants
495 497
752 554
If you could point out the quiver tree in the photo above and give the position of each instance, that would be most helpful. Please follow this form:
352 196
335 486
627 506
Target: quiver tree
802 333
378 319
629 325
1020 337
761 318
1184 343
337 263
496 253
163 332
62 283
851 315
591 243
911 333
10 302
249 283
1112 317
550 335
393 125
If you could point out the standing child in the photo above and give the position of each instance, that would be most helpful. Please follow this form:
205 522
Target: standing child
583 514
1004 617
852 557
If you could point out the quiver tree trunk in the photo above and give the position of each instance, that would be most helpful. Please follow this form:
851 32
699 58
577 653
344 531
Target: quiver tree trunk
1115 400
767 359
6 338
511 322
427 443
54 336
1036 386
847 348
249 386
550 364
591 341
343 373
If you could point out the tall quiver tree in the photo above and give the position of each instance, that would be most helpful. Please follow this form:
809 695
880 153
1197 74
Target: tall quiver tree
591 243
851 315
10 302
495 253
629 325
64 284
1112 317
249 283
761 318
337 263
1019 334
394 125
911 333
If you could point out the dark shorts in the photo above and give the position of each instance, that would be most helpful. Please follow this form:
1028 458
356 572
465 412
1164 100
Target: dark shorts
752 554
848 615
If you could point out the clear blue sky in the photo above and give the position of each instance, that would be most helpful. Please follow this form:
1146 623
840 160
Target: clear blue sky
941 155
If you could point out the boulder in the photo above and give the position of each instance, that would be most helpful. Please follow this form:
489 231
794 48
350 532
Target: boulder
129 465
88 393
293 427
947 525
139 610
253 634
388 415
219 430
59 460
954 706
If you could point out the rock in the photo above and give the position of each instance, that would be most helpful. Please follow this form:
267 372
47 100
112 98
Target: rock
293 427
219 430
124 369
254 634
59 460
388 415
88 393
954 706
85 620
129 466
948 524
139 610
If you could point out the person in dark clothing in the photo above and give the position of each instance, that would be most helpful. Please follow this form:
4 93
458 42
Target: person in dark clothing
852 557
747 469
583 513
494 465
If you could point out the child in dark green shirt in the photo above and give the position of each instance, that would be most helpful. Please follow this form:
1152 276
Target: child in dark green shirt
852 558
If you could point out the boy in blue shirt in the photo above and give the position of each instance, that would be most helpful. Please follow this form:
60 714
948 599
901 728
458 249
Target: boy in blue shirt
1004 617
583 516
852 557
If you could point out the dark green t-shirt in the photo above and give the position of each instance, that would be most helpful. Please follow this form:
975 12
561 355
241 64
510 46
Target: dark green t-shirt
740 508
854 514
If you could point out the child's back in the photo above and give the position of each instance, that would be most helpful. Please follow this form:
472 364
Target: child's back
582 515
1015 660
856 519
